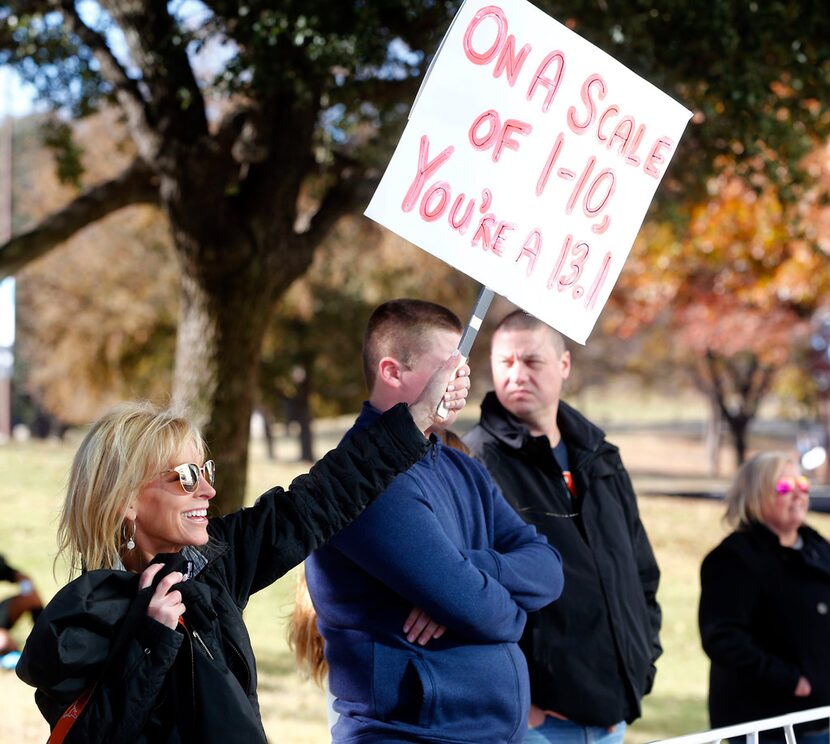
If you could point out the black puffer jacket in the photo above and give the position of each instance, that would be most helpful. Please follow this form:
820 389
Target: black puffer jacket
765 622
199 683
591 653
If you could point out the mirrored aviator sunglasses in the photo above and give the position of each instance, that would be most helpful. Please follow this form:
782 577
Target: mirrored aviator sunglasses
189 474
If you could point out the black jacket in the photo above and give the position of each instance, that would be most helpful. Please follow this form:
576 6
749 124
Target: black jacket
764 622
199 683
591 653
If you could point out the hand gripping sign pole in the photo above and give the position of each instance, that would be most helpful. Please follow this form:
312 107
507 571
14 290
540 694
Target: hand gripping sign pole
465 345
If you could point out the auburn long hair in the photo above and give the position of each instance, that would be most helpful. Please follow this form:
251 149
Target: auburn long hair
304 638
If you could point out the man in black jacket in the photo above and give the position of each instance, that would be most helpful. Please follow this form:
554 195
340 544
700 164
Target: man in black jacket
591 654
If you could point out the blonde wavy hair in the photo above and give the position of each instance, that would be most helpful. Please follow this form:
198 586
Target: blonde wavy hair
122 450
754 482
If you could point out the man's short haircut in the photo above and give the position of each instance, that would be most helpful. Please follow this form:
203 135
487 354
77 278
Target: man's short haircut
519 320
399 329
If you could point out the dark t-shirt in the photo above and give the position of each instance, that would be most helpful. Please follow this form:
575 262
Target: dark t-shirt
560 454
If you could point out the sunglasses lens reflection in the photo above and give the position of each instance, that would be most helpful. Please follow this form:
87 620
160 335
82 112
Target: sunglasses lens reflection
189 474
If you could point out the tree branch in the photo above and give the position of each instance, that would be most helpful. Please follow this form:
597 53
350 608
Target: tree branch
353 189
135 185
158 49
380 93
762 381
717 390
244 133
127 90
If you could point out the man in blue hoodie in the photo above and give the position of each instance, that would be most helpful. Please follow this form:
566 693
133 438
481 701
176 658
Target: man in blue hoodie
423 599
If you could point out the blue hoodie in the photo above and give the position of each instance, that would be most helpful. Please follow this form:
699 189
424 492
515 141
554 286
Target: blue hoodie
443 539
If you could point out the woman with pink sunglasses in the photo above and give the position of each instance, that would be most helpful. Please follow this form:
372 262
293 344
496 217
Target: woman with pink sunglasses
765 603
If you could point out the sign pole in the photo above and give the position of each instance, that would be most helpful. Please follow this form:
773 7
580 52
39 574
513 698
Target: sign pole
465 345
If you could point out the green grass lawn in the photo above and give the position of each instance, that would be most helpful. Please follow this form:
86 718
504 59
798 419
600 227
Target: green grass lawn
682 531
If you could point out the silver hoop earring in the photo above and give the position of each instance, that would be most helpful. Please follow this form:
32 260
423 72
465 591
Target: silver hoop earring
129 540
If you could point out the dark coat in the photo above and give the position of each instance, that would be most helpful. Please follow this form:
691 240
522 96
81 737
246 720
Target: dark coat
764 622
591 653
199 684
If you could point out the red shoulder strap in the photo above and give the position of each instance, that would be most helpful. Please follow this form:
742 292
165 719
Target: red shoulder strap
70 715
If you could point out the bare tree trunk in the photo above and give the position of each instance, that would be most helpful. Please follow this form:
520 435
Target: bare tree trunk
268 434
738 428
217 359
743 380
712 438
301 406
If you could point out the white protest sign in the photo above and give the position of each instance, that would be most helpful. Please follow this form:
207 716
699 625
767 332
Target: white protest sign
529 161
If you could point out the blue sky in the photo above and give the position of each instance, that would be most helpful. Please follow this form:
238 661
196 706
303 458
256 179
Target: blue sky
16 97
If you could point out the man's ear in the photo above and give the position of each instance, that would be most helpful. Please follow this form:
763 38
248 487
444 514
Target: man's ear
565 361
389 372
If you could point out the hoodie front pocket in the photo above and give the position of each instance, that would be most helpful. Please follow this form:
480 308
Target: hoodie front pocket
403 689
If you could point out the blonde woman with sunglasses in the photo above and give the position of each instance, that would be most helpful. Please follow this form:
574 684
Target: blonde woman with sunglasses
765 602
149 641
